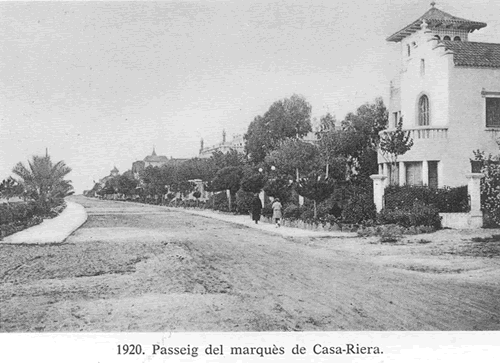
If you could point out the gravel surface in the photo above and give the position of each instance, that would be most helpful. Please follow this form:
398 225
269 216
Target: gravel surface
135 267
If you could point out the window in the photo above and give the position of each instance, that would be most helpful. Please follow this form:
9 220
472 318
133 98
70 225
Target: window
422 67
492 112
423 111
408 49
395 119
446 38
437 37
457 39
414 173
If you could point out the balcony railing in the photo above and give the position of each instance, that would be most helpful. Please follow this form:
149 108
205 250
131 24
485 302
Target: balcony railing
424 132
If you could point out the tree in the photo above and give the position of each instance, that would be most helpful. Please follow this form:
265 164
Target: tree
228 178
327 123
287 118
294 155
43 181
197 168
357 140
395 143
316 187
253 183
222 160
126 184
279 187
154 181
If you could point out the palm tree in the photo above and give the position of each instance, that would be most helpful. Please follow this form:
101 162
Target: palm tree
44 181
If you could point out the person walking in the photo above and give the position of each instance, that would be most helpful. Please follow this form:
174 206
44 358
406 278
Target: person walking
256 208
277 212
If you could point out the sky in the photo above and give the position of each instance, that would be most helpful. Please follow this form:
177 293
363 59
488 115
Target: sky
99 84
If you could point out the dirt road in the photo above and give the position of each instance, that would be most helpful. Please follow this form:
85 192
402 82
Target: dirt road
135 267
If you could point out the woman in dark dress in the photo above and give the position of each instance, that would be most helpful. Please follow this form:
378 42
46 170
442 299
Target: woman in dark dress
256 208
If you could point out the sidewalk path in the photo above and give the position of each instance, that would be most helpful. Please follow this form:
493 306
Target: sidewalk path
284 231
54 230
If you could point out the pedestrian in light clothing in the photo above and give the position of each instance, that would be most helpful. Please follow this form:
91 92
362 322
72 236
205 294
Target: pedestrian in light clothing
277 212
256 208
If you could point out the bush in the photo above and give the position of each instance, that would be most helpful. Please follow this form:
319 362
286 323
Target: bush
218 201
18 216
359 209
243 201
307 214
418 215
292 211
446 200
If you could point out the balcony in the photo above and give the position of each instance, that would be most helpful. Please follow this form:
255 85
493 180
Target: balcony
423 132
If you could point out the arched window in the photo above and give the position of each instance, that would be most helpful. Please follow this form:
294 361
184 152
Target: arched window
437 37
423 111
446 38
457 39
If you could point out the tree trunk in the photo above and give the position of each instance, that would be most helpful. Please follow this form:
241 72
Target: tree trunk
315 210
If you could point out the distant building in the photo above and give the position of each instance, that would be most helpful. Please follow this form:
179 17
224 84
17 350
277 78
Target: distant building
114 172
237 143
154 161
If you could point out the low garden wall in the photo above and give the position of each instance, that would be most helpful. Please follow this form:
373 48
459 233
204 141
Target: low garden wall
461 220
311 226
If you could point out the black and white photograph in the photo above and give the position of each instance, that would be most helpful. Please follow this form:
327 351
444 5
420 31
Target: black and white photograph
257 166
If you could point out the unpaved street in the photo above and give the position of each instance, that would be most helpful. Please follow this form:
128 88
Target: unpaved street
135 267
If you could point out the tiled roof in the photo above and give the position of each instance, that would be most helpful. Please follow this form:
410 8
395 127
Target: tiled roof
436 18
156 158
474 54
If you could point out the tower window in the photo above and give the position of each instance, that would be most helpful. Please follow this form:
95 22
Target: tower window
408 49
423 111
446 37
422 67
457 39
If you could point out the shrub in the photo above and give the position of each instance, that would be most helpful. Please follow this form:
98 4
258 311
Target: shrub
18 216
418 215
307 214
292 211
244 201
218 201
446 200
359 209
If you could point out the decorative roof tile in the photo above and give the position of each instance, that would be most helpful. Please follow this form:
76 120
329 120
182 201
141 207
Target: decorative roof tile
436 18
473 54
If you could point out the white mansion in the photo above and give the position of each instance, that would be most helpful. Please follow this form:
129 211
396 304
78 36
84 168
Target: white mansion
448 94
